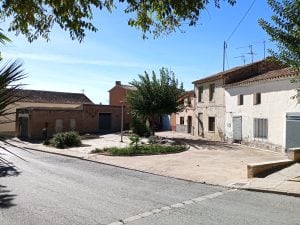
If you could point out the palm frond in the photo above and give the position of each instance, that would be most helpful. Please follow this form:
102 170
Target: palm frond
10 75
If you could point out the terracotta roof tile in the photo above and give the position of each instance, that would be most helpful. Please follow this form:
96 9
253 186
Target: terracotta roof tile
52 97
271 75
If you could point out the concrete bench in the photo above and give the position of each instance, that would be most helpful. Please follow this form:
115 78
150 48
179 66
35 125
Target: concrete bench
294 154
260 169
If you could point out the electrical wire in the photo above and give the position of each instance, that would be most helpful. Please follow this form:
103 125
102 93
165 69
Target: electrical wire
238 25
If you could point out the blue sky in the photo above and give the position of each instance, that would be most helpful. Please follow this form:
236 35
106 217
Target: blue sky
118 52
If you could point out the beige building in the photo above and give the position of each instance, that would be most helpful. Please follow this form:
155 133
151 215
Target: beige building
210 97
36 98
185 120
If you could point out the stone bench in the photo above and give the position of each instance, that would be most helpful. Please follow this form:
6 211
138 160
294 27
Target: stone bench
260 169
294 154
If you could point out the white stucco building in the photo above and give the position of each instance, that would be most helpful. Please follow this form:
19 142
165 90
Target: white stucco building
261 112
210 99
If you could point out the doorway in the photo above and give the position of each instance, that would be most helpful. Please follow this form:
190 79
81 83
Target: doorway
200 125
237 128
23 127
105 122
189 124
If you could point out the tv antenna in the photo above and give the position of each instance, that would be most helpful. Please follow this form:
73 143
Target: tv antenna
242 57
264 44
250 51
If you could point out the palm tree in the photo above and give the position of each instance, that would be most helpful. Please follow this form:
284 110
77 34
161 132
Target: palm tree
10 75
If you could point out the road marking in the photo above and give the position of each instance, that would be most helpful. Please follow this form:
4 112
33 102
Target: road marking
173 206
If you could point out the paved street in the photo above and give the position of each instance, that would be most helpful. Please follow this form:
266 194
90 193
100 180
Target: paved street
49 189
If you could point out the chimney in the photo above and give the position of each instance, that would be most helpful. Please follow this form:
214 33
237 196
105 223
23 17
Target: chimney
118 82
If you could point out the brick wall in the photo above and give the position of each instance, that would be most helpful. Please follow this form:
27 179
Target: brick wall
86 119
116 95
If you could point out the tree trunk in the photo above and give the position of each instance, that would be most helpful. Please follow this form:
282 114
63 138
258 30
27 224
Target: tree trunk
151 125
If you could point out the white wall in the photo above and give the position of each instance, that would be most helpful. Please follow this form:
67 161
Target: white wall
276 101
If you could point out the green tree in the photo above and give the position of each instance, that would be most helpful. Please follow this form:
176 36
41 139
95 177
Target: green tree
155 97
36 18
285 31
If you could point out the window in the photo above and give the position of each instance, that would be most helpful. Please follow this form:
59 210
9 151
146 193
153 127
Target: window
72 124
181 120
260 128
240 99
189 101
58 125
211 92
257 98
211 123
200 94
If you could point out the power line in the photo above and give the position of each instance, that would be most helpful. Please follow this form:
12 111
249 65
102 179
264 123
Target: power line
238 25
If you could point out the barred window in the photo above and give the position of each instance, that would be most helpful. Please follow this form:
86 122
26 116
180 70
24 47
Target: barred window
240 99
257 98
181 120
260 128
211 123
211 92
200 94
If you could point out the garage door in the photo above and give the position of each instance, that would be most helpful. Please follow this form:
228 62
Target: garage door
237 128
104 122
292 130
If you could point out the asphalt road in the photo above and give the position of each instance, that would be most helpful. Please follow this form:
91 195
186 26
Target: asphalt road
49 189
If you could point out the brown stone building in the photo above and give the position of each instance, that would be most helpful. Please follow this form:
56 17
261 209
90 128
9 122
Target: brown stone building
87 118
37 98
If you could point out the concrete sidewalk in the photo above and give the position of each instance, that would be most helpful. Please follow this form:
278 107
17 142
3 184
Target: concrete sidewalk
206 161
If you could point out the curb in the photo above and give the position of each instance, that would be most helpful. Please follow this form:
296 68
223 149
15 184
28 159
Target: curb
262 190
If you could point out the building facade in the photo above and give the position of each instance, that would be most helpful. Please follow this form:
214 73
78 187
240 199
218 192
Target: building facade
88 118
210 100
262 112
37 98
185 120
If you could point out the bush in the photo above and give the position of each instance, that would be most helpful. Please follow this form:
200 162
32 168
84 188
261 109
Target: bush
66 139
139 127
141 150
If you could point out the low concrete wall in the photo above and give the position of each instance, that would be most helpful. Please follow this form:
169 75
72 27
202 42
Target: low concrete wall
294 154
260 169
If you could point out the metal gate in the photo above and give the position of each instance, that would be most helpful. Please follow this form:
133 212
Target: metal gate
105 122
23 123
292 130
237 128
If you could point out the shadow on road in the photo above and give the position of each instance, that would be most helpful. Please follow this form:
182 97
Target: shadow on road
6 198
7 168
205 144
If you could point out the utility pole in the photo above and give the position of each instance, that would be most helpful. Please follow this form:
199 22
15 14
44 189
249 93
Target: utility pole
122 120
224 54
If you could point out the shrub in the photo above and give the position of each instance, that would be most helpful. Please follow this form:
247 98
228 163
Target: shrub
139 127
134 141
141 150
66 139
